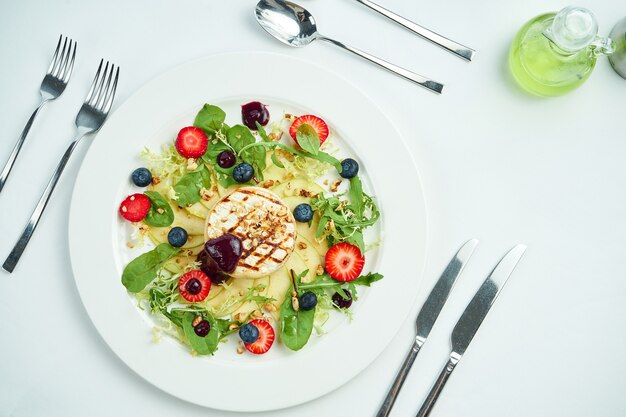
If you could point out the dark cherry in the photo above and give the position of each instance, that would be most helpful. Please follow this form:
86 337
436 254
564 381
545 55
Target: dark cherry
193 286
225 251
203 328
254 112
342 302
226 159
209 267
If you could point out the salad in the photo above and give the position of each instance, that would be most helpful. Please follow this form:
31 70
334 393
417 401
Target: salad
255 230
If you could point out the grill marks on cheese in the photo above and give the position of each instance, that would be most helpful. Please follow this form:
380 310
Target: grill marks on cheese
264 224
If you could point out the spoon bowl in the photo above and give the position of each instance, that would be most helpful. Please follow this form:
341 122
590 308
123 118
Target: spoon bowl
289 23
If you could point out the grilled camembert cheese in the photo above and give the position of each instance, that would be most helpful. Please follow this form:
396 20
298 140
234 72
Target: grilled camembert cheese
263 223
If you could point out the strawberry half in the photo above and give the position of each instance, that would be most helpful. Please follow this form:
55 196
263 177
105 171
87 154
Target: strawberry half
265 340
344 262
135 207
191 142
194 286
315 122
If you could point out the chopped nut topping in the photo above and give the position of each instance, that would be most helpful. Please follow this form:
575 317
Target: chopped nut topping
256 314
319 270
268 183
155 180
273 136
130 245
302 245
269 307
192 165
290 117
241 293
335 185
233 326
160 210
293 293
295 303
326 181
206 194
196 321
240 350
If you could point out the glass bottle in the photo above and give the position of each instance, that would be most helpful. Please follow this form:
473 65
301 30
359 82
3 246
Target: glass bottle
555 53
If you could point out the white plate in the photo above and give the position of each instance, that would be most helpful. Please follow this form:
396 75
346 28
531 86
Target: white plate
280 378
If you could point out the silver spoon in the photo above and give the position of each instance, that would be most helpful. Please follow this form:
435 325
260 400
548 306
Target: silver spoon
295 26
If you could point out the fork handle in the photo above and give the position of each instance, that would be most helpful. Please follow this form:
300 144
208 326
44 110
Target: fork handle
18 249
449 45
18 146
392 394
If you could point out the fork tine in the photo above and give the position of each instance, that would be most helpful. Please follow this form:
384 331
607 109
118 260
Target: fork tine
94 82
102 97
59 63
56 53
111 93
98 93
67 70
65 60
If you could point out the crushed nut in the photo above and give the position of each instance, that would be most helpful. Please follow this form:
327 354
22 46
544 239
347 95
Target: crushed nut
155 180
192 165
239 317
206 194
293 293
275 137
268 183
269 307
130 245
241 293
160 210
319 270
256 314
289 117
295 303
240 350
302 245
326 181
335 185
196 321
233 326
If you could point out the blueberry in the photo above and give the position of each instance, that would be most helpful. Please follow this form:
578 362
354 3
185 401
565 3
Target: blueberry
341 302
308 301
226 159
142 177
243 172
249 333
303 213
349 168
202 329
193 286
177 237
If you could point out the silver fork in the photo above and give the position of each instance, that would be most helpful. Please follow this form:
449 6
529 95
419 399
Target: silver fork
90 118
52 86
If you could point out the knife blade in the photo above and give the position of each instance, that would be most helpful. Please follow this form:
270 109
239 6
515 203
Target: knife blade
471 319
427 316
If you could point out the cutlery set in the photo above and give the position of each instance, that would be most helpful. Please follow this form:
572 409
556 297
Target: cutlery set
293 25
465 328
90 118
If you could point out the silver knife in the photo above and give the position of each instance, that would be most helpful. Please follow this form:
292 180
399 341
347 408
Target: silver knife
426 318
470 321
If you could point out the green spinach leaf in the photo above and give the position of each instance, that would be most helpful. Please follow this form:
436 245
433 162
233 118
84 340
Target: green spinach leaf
202 345
307 139
160 213
239 137
295 326
144 268
210 118
188 187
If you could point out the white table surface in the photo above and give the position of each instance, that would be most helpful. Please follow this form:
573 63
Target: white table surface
496 164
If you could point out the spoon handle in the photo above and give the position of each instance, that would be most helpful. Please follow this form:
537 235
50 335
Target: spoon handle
411 76
456 48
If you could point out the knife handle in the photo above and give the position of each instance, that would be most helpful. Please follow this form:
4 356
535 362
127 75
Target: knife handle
437 388
392 394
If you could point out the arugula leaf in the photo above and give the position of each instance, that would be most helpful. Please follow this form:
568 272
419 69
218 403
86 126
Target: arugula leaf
325 281
154 218
144 269
202 345
367 279
262 132
210 118
320 156
356 195
188 187
295 326
307 139
276 161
